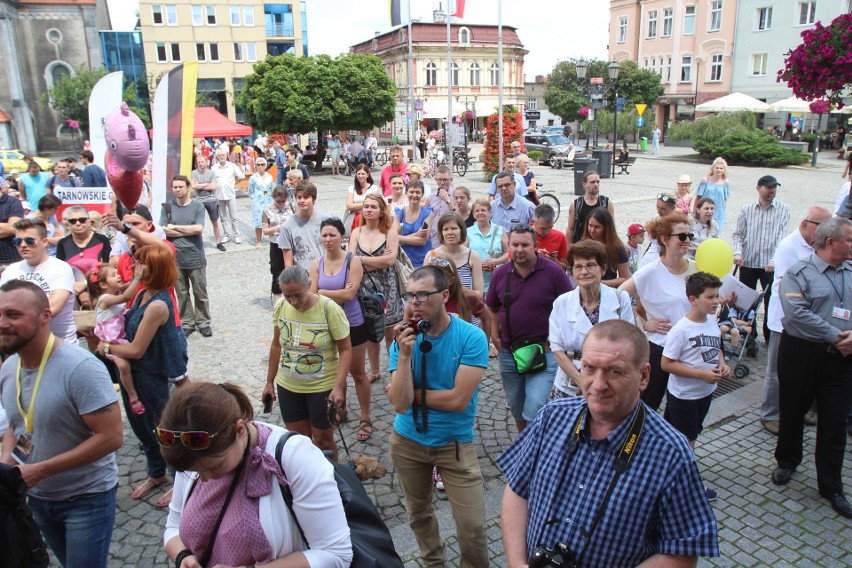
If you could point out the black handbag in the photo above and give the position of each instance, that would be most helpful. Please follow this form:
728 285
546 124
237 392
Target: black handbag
372 304
528 354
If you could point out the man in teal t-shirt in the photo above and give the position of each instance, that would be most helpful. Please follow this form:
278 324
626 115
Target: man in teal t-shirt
435 428
35 184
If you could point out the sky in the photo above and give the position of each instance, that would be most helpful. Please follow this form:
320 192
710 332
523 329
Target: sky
551 30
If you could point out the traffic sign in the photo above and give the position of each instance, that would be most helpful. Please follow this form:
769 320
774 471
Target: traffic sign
408 120
619 101
418 104
618 107
640 122
640 108
419 115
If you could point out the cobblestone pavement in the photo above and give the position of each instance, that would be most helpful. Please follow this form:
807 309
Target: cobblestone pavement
759 523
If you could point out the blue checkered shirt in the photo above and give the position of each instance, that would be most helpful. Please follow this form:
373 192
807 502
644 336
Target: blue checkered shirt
657 507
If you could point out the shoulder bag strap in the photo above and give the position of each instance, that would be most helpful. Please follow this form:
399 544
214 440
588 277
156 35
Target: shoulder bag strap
507 300
167 206
285 490
494 230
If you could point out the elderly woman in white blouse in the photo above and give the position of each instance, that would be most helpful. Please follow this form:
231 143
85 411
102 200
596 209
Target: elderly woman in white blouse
576 312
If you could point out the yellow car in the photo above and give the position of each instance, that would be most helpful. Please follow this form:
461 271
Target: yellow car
14 160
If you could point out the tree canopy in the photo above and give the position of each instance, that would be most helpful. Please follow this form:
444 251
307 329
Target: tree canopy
286 93
565 98
70 96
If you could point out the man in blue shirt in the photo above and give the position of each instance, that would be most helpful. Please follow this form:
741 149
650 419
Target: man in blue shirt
603 474
510 209
93 174
34 183
509 163
436 408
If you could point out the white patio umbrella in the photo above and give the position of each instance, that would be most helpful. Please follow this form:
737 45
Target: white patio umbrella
733 103
791 104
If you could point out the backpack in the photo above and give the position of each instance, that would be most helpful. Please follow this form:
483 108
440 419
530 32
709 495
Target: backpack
372 545
20 538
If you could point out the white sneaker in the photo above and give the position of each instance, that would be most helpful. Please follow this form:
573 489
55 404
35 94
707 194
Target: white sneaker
238 240
225 239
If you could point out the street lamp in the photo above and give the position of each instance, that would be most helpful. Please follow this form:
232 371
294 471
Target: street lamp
595 90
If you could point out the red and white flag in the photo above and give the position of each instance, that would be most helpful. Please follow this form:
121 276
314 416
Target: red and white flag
456 8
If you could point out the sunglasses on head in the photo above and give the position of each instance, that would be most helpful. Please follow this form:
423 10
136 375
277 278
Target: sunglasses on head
191 439
522 228
81 220
665 198
29 241
684 236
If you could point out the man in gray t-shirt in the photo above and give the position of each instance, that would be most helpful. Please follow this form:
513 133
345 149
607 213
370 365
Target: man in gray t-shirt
300 234
204 187
183 222
65 442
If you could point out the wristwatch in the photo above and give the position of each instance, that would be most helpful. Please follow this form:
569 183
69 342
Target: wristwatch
106 348
181 556
125 228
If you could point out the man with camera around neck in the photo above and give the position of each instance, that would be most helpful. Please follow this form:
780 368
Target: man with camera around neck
601 480
436 408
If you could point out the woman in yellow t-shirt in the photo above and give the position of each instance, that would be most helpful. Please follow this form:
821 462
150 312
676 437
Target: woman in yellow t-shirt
309 358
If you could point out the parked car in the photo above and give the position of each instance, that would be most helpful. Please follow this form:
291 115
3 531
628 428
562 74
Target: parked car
14 160
555 129
548 144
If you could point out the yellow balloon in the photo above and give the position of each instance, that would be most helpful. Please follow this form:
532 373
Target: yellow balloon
714 256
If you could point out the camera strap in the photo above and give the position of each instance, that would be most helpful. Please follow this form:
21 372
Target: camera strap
425 347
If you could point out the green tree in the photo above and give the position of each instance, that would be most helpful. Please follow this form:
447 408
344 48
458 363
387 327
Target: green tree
286 93
565 98
70 96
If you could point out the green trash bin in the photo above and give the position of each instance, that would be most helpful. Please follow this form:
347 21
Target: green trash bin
395 140
643 143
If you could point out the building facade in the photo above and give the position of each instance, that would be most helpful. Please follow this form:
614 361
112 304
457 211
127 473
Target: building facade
474 72
536 114
123 52
689 43
42 41
225 37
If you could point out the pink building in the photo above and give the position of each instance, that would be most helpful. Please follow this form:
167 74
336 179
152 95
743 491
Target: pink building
688 43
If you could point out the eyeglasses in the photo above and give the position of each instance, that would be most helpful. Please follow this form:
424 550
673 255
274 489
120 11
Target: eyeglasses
522 229
29 241
665 198
81 220
502 185
684 236
442 180
419 296
589 267
191 439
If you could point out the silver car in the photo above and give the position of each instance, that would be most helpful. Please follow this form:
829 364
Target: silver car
548 144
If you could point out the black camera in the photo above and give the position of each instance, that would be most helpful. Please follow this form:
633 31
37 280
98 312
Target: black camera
419 325
559 555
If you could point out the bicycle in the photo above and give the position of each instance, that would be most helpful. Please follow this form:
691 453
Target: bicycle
461 161
381 158
549 198
432 164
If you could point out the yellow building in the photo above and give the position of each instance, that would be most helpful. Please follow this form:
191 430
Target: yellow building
225 37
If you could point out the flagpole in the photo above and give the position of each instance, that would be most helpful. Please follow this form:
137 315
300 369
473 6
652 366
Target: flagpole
447 125
410 112
500 83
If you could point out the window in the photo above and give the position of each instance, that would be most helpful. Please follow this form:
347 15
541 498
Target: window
431 75
157 14
716 68
686 69
689 21
200 52
474 75
495 74
454 74
171 15
197 16
251 51
646 63
652 24
463 36
669 71
764 18
235 16
532 104
175 49
759 63
848 6
653 63
668 17
214 52
238 52
807 13
248 16
715 15
211 15
161 53
622 29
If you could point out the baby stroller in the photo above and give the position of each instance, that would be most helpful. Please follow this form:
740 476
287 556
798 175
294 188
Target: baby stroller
748 345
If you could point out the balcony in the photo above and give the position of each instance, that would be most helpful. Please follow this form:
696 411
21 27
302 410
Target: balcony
279 30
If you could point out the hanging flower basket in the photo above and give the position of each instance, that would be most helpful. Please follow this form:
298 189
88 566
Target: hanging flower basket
73 124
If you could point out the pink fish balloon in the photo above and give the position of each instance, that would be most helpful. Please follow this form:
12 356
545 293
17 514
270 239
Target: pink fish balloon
127 153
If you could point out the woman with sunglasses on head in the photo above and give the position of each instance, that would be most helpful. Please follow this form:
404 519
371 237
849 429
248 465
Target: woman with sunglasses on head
665 204
376 241
309 358
601 228
82 248
660 291
453 234
156 349
228 507
337 275
260 192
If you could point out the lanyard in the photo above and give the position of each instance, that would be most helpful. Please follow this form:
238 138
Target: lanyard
842 288
28 415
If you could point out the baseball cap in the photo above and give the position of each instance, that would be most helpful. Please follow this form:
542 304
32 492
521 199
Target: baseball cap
635 229
767 181
684 179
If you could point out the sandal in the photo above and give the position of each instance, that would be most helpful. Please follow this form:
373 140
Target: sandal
136 406
165 500
374 378
492 352
147 486
365 431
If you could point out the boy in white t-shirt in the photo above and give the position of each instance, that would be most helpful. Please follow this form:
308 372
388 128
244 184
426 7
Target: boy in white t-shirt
693 356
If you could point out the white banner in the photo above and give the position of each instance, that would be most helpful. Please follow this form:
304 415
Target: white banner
83 195
105 98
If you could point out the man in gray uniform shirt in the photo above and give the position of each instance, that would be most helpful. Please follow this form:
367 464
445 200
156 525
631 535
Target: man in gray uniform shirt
813 361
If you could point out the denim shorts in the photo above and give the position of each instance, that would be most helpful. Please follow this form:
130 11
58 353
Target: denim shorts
526 394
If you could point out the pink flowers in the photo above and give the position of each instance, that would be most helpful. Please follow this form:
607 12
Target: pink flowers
584 112
73 124
818 69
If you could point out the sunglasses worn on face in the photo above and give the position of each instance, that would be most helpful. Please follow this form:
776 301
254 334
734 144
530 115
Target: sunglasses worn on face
191 439
29 241
684 236
81 220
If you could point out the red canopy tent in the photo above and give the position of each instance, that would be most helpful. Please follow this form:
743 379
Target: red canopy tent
210 122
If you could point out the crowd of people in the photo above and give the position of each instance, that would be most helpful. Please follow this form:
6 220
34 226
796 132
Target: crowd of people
592 333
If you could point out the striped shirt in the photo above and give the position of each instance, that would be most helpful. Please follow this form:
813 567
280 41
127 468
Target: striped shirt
658 505
759 231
